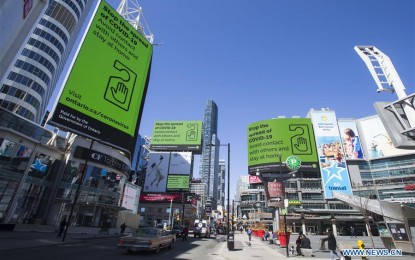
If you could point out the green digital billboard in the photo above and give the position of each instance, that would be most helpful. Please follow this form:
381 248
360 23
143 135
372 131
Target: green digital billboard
177 136
290 140
105 88
178 183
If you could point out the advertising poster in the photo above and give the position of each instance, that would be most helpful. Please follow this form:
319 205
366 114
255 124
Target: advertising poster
254 179
131 197
285 137
377 142
180 163
177 135
334 173
104 90
350 139
157 170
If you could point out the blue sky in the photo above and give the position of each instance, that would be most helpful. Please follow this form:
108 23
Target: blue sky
261 59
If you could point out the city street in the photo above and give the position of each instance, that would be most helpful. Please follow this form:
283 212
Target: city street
105 248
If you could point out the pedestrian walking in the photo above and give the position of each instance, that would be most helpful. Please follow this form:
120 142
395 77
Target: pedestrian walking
352 231
62 226
123 226
185 233
332 244
249 232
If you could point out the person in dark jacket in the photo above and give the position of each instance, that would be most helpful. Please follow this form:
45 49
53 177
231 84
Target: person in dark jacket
298 243
305 242
332 244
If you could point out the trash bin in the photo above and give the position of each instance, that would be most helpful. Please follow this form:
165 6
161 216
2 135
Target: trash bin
231 242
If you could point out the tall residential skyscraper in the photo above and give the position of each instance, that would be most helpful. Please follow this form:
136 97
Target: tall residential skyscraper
209 161
32 60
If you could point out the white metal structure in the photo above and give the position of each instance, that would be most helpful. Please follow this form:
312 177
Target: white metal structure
132 12
387 79
382 70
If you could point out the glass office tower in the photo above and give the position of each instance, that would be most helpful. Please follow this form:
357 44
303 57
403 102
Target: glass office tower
33 62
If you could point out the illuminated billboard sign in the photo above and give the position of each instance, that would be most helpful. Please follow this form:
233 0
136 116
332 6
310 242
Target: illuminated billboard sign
186 198
177 136
285 137
178 183
104 91
334 173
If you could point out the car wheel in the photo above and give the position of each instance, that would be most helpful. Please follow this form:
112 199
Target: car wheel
170 245
158 250
130 251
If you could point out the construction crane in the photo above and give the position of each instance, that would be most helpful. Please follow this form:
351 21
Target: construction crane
387 79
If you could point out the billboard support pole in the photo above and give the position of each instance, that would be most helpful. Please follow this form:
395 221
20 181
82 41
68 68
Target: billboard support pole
183 209
78 189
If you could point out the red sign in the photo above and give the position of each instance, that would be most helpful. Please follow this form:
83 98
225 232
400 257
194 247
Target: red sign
410 187
254 179
276 189
161 197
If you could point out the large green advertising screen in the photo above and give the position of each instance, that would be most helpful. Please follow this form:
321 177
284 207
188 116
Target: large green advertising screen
178 183
104 92
177 136
287 138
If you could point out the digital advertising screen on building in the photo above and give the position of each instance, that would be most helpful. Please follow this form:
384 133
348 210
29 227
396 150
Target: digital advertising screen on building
105 87
168 172
290 138
376 141
177 136
333 167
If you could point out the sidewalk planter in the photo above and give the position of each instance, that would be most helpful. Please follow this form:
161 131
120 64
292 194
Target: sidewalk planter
261 233
284 239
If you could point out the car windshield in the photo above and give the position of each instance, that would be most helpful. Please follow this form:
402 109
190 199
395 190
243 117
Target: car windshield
146 232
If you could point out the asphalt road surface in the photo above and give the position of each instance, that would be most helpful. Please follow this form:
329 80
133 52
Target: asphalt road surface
193 248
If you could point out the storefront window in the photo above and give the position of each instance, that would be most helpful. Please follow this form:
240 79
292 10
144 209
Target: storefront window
100 193
34 195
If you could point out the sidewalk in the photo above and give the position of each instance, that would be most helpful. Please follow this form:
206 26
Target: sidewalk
254 249
10 240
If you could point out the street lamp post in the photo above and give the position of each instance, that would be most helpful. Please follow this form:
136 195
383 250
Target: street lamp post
78 189
229 174
285 211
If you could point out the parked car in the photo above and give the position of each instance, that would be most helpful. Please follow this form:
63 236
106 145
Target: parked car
147 239
177 231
